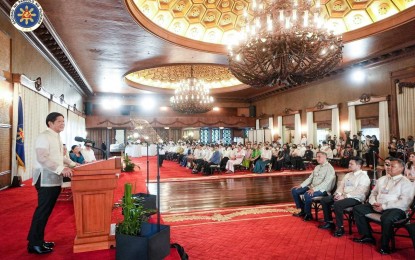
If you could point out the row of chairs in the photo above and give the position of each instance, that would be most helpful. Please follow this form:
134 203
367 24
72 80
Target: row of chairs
372 217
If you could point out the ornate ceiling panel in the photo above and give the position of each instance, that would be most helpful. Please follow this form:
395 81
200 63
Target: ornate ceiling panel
168 77
218 21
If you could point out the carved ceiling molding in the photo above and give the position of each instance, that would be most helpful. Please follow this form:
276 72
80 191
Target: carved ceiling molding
289 112
321 106
46 40
238 122
210 24
168 77
265 116
402 85
367 99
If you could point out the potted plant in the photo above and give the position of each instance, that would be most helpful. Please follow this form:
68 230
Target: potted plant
128 164
135 237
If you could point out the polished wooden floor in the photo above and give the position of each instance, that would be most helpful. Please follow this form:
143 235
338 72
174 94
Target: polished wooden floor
222 193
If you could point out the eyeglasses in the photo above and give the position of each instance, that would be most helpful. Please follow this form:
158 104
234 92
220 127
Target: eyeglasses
387 164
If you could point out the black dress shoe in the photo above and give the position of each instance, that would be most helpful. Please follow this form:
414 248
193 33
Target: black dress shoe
385 251
327 225
299 214
339 232
38 249
365 239
308 217
49 244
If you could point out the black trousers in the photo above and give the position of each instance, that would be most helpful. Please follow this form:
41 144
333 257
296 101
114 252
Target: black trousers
46 197
339 206
411 231
161 159
388 217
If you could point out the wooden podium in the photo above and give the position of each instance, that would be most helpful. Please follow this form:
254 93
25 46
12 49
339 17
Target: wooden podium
93 188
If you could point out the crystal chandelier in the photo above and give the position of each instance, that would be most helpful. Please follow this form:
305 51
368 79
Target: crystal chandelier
286 42
191 96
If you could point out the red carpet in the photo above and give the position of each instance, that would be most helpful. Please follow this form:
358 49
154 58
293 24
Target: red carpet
237 233
275 237
173 172
16 213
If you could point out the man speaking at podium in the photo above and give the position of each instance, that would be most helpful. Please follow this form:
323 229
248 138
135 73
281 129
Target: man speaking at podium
47 178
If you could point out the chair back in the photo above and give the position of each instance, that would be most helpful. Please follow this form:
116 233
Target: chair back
411 210
333 190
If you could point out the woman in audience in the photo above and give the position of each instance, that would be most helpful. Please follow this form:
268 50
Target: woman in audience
410 167
76 155
283 158
247 159
256 153
264 160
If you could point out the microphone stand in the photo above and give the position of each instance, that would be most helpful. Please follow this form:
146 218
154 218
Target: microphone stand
158 189
99 149
148 170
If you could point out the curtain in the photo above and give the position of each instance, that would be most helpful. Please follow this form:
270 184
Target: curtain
271 127
35 110
384 131
54 107
310 128
358 124
81 126
72 129
257 124
279 128
406 111
352 120
335 122
297 125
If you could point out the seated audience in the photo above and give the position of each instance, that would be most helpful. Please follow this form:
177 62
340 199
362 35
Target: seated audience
235 160
320 183
327 150
391 198
410 167
247 159
214 160
255 155
345 157
76 155
296 158
283 158
308 154
88 153
264 160
352 191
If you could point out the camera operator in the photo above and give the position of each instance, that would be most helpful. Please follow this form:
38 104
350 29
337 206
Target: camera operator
400 149
373 151
392 147
410 144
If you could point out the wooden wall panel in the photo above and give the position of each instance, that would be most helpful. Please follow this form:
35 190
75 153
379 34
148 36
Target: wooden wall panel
5 112
367 111
321 116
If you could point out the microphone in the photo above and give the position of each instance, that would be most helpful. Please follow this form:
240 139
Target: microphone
81 139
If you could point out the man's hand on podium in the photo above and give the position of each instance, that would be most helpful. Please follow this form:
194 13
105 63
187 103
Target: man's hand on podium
67 172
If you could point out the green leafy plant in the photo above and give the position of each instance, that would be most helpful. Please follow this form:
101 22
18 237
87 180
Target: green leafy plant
134 213
128 164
